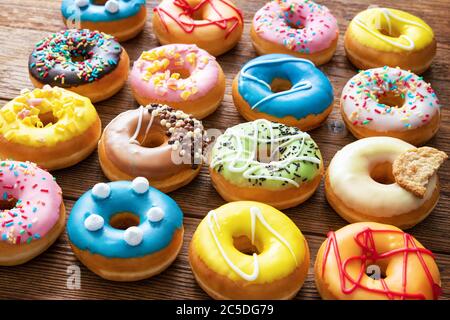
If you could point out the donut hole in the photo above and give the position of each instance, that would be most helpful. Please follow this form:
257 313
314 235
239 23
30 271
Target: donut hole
99 2
77 56
391 99
382 173
47 119
184 73
296 24
124 220
153 140
244 245
8 204
280 85
394 32
376 269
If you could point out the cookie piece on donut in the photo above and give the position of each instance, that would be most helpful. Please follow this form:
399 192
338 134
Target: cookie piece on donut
413 169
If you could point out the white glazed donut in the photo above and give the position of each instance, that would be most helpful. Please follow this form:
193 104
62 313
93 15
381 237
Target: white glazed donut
360 185
390 102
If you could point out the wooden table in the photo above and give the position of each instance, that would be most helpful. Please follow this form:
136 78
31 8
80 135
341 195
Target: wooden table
25 22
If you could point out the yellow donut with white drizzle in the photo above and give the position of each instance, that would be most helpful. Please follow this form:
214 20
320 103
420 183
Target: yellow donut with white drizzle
382 36
249 250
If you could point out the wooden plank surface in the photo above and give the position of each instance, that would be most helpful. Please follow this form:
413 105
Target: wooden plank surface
23 23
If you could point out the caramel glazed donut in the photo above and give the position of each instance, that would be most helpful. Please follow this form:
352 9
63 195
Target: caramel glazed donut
367 164
249 250
373 261
86 62
32 212
52 127
266 161
213 25
380 37
157 142
123 19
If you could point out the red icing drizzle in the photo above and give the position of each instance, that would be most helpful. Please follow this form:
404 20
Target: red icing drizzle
188 11
365 240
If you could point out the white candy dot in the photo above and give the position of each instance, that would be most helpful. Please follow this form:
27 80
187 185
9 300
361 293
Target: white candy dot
140 185
112 6
94 222
81 3
101 190
133 236
155 214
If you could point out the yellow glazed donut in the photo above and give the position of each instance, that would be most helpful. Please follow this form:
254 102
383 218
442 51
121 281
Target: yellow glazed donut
213 25
373 261
382 36
360 186
52 127
249 250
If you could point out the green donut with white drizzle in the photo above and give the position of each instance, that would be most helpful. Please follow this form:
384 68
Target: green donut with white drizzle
267 162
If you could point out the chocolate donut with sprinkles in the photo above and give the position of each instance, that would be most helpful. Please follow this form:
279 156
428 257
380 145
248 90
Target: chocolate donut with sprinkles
32 212
90 63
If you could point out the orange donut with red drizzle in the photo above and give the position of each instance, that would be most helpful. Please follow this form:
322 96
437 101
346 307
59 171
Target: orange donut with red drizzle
373 261
213 25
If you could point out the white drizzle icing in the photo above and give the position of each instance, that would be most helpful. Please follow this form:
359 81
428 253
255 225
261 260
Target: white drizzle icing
139 125
303 85
255 214
251 164
388 16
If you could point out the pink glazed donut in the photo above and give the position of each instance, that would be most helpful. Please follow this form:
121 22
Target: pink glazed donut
32 213
301 28
182 76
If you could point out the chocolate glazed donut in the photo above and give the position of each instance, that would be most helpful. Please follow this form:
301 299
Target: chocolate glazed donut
74 57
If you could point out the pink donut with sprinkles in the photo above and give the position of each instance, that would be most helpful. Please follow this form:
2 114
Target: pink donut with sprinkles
390 102
301 28
32 213
182 76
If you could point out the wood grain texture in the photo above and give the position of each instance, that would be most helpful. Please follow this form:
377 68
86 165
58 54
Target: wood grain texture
25 22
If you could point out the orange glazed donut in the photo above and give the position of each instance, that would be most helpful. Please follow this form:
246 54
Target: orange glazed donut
86 62
213 25
373 261
52 127
32 213
156 142
123 19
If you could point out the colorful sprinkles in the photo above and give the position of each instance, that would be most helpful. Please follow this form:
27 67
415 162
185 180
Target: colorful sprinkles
363 96
27 218
73 57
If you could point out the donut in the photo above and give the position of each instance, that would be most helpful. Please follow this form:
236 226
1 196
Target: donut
52 127
183 76
89 63
248 250
125 230
382 36
156 142
214 25
266 162
366 164
285 89
124 19
32 212
390 102
374 261
301 28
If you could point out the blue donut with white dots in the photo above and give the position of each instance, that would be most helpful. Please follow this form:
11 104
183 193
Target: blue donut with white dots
111 10
159 216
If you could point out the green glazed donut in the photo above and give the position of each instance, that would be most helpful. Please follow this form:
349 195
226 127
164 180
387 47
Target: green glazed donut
266 154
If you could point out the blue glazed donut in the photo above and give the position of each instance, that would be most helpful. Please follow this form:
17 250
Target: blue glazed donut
283 88
123 19
150 234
